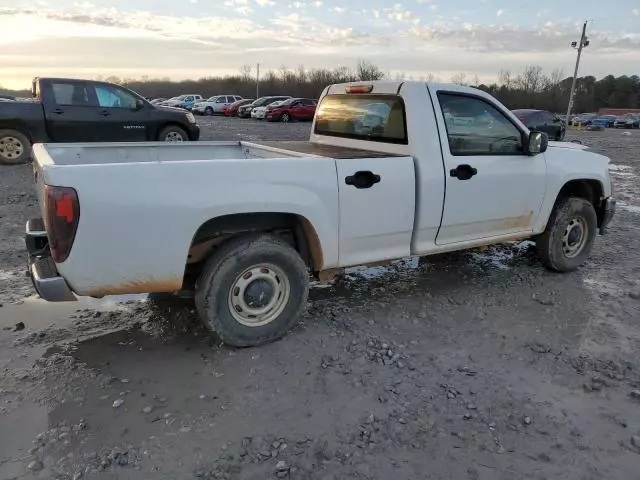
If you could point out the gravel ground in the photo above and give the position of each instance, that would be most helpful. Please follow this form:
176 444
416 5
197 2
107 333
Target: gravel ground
475 365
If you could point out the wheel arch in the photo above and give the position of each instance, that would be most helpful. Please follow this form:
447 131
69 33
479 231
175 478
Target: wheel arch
295 228
589 189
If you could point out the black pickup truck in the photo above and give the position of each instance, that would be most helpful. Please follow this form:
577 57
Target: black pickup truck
67 110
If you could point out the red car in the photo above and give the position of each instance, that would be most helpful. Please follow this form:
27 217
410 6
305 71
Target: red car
232 109
292 109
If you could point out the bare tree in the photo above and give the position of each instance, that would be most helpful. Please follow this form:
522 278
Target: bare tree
245 72
459 78
505 78
368 71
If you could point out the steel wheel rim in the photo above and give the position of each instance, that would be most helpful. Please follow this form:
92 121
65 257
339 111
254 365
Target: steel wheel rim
243 307
11 148
575 237
173 137
285 117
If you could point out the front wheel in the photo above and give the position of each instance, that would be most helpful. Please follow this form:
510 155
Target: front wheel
285 118
252 290
208 111
568 239
173 134
14 147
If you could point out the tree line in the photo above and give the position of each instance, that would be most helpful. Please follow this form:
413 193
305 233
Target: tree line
530 88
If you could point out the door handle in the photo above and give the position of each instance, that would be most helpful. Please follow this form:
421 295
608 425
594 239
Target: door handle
463 172
362 179
58 111
104 113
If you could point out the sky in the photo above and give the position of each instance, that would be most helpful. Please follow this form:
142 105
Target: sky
412 38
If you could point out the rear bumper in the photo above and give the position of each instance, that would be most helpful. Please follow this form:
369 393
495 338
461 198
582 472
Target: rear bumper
45 277
193 130
608 211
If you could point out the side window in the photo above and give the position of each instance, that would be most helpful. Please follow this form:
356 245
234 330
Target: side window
112 97
71 94
308 103
221 100
475 127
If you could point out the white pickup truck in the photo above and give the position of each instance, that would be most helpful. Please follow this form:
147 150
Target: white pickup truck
245 224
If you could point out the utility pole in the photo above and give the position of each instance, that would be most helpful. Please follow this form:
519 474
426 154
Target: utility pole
258 81
583 43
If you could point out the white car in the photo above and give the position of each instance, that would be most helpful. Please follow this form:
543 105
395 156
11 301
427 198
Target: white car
260 113
246 222
182 101
215 104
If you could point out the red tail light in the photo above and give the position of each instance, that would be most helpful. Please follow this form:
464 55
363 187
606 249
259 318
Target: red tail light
61 219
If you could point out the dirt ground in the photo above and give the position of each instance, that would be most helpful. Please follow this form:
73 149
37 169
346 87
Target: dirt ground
476 365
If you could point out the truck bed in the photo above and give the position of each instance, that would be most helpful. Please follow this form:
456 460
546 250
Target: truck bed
145 152
332 151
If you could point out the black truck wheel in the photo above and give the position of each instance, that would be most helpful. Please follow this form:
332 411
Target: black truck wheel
15 147
568 239
252 290
173 133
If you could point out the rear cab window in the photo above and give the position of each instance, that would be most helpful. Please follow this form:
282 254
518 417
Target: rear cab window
377 118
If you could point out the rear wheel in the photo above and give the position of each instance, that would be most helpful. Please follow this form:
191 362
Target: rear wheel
568 239
252 290
173 134
14 147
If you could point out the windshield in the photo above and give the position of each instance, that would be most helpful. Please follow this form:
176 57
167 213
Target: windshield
181 97
212 99
379 118
261 101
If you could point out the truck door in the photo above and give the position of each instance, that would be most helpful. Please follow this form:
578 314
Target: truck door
70 111
121 117
493 188
376 190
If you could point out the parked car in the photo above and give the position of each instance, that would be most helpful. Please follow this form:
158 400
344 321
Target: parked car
245 110
183 101
542 121
605 121
157 101
260 113
215 104
7 97
68 110
309 206
292 109
628 121
232 109
582 119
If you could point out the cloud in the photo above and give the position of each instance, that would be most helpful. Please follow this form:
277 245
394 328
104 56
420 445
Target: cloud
265 3
239 6
401 14
87 40
500 12
636 11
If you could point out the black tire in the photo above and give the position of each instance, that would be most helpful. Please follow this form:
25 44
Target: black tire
285 118
15 147
172 131
552 245
220 278
208 111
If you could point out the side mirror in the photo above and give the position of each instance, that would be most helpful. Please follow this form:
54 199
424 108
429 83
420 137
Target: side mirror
139 104
537 143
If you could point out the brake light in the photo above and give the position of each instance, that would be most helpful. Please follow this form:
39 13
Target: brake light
62 213
359 88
